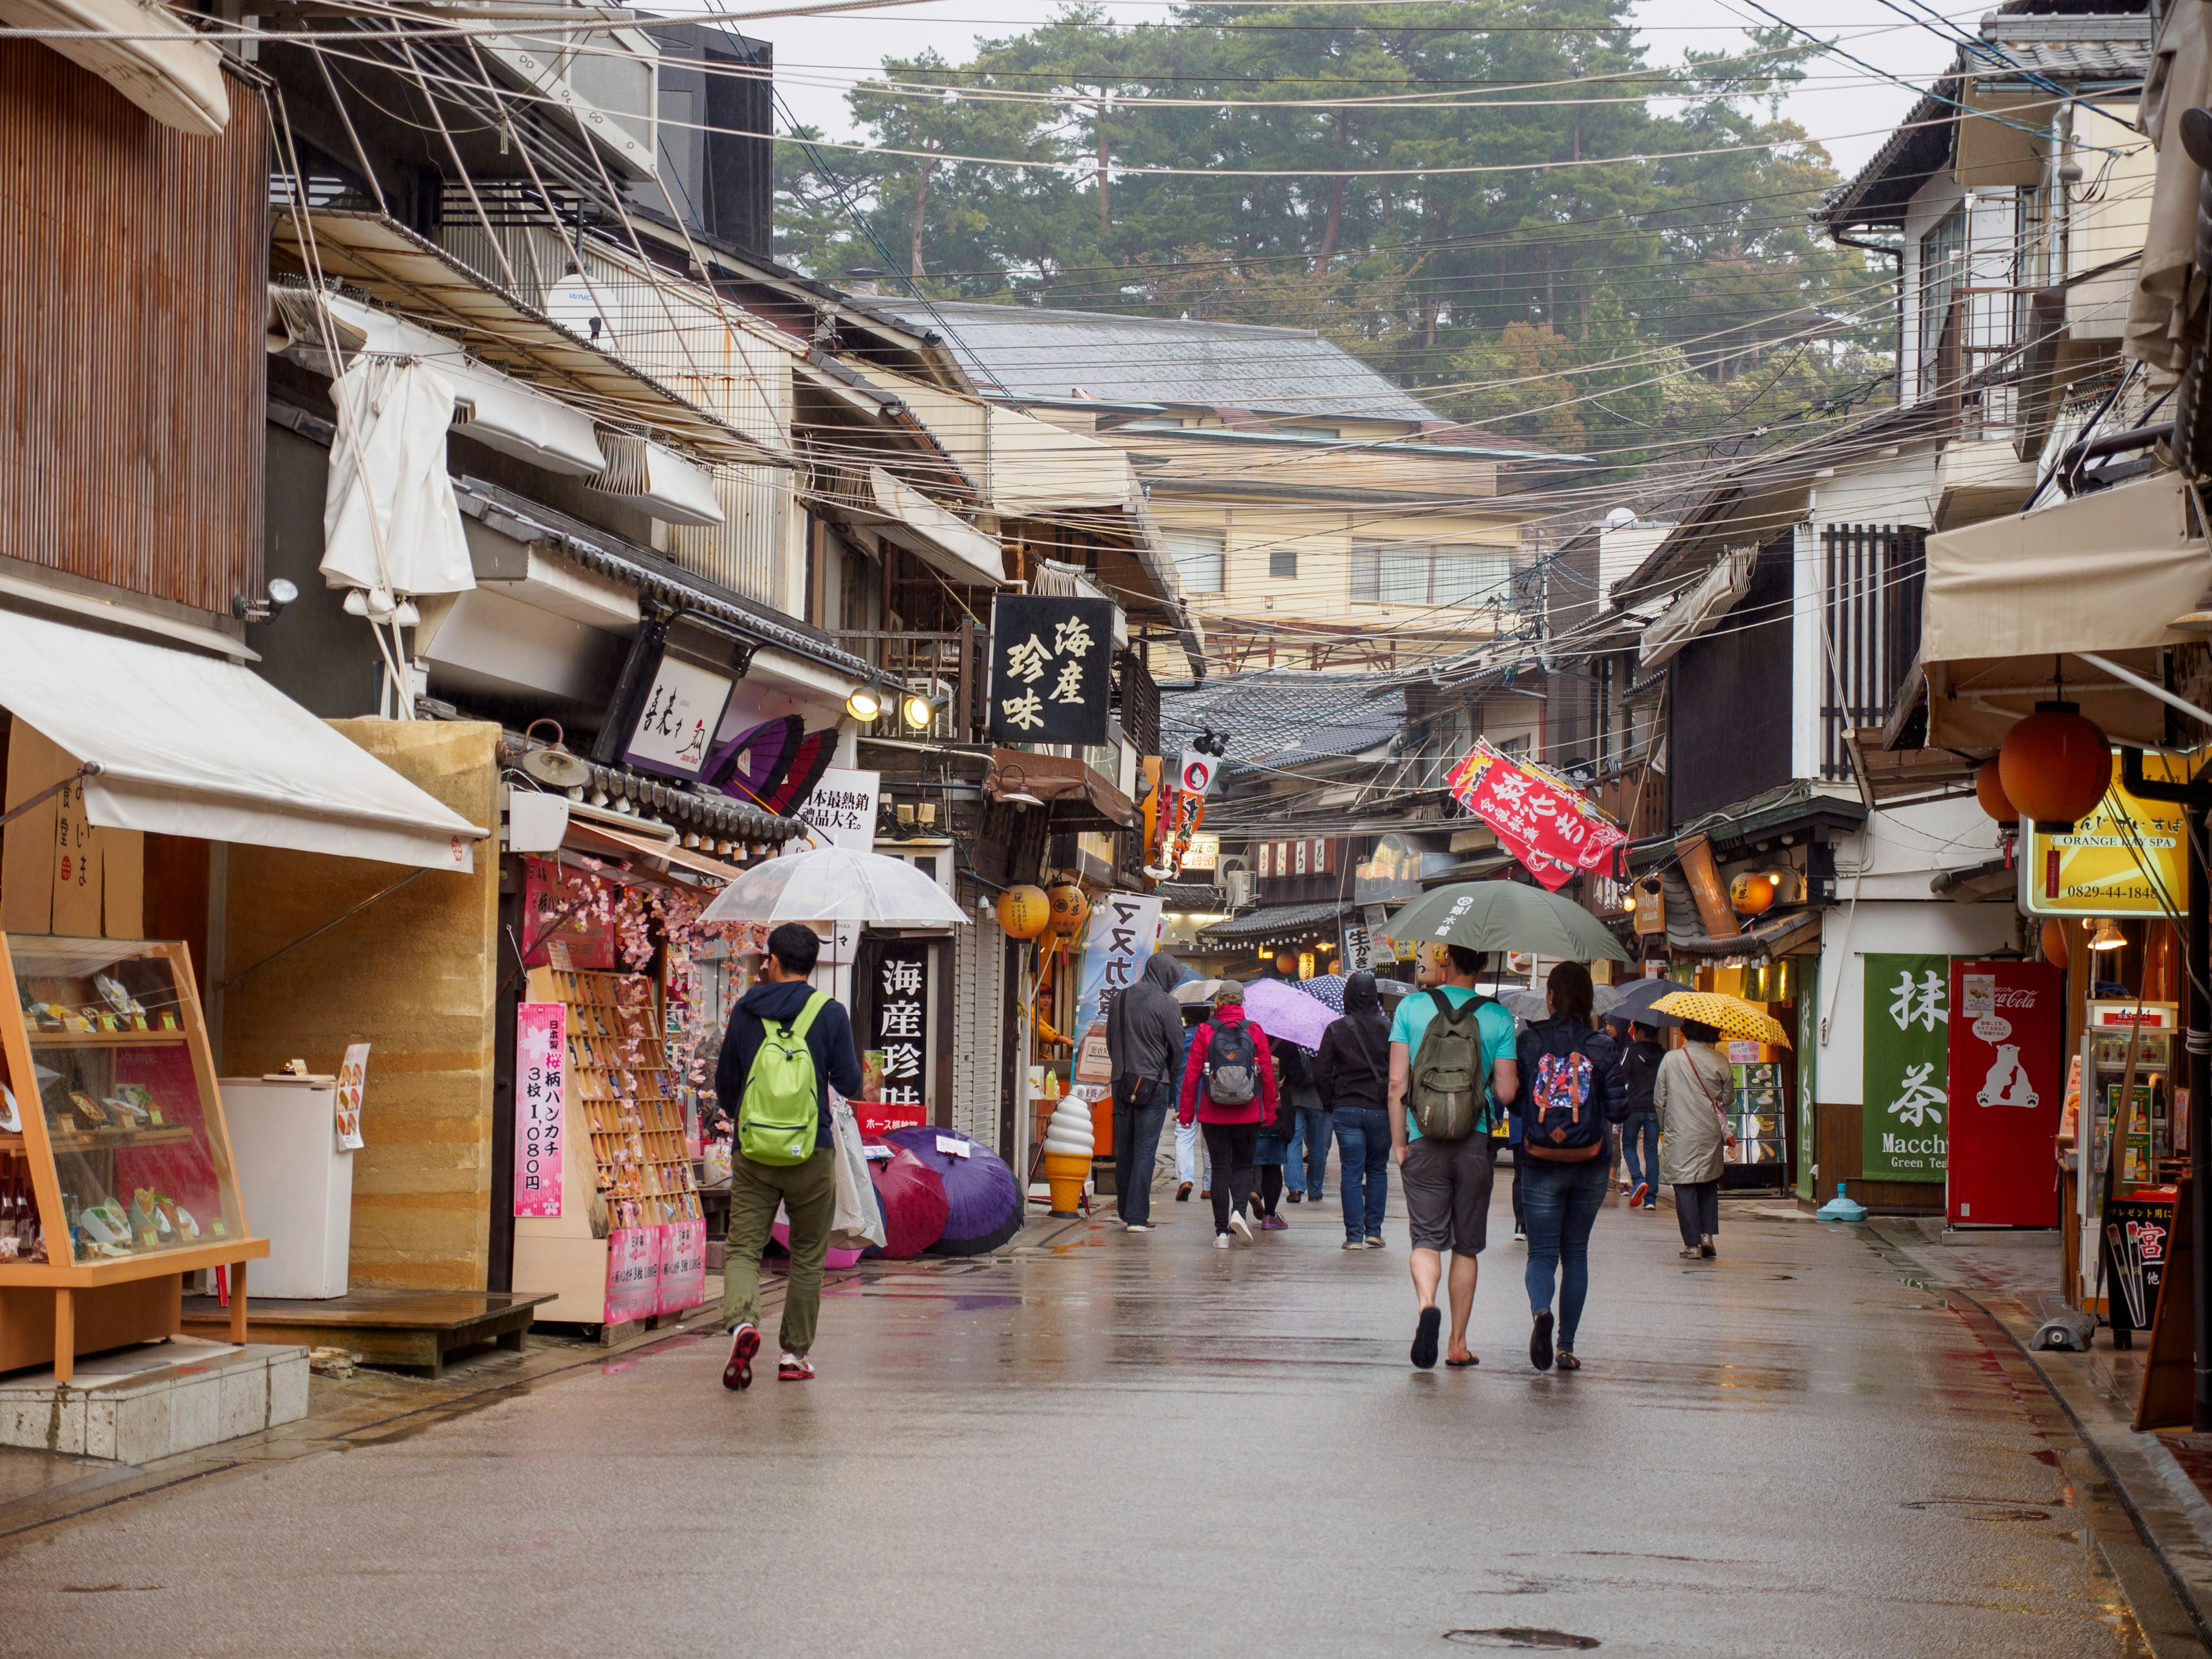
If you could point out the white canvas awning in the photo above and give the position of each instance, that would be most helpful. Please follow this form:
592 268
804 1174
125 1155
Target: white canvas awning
2011 603
1038 467
935 535
1698 610
155 60
193 745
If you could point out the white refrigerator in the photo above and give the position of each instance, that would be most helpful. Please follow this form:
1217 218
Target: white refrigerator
295 1182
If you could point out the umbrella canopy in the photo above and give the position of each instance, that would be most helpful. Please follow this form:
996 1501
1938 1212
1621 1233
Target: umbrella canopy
912 1197
1285 1013
389 465
1193 992
1505 916
835 884
982 1199
1531 1003
1732 1017
1329 988
1638 1000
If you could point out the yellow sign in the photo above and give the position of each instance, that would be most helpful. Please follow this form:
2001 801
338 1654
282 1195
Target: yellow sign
2125 859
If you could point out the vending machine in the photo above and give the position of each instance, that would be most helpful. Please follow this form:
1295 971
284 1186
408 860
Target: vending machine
2005 1088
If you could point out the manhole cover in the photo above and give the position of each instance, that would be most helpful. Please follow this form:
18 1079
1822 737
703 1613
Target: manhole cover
1978 1509
1520 1636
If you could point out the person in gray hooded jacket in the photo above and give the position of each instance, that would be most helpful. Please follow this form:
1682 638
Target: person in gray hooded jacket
1145 1042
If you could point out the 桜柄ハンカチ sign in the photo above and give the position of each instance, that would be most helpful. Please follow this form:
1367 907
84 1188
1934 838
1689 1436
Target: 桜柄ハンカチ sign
1050 668
541 1052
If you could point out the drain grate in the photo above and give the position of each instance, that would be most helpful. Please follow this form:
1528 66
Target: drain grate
1978 1509
1520 1636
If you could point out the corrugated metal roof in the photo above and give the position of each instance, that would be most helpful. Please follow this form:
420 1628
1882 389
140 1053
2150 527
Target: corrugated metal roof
1029 350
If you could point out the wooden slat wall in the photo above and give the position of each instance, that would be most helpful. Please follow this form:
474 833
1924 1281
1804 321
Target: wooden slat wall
133 267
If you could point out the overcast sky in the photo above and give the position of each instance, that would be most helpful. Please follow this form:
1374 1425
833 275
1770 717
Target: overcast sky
1845 108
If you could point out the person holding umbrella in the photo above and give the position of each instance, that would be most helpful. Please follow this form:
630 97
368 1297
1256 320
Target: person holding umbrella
1691 1093
1228 1089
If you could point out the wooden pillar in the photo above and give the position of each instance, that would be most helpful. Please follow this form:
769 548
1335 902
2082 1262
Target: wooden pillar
238 1303
65 1334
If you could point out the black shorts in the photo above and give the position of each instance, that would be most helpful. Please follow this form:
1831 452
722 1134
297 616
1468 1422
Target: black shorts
1447 1186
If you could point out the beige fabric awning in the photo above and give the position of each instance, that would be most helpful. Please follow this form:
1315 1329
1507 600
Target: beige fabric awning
935 535
2180 77
1038 467
2010 602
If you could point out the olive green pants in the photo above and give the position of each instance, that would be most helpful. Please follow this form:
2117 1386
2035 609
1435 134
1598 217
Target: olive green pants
808 1193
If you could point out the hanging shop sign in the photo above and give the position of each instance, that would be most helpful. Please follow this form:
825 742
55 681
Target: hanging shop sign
1552 827
899 1029
841 809
682 714
1391 875
2124 860
541 1051
1906 1026
1124 928
562 908
1049 661
1204 853
2005 1089
1196 775
1357 946
1808 1071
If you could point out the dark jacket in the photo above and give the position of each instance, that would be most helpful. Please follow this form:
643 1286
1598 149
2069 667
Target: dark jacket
1195 1102
1353 1066
1144 1025
1559 1035
829 1040
1294 1089
1636 1073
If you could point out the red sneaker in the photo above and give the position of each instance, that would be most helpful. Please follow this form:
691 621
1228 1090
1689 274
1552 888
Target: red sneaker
744 1343
1641 1195
795 1368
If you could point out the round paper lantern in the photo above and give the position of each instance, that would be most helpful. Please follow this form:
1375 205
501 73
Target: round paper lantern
1989 789
2055 766
2054 943
1024 911
1070 909
1752 894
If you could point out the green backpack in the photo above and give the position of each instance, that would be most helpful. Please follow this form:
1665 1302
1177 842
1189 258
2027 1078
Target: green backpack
1447 1092
782 1108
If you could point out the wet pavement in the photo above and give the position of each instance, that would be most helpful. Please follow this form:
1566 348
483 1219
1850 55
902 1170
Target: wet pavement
1138 1445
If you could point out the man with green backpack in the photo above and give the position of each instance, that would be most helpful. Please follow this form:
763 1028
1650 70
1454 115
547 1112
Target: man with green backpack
1452 1068
786 1043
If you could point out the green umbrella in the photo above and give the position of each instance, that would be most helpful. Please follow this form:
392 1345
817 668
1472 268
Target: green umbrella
1505 915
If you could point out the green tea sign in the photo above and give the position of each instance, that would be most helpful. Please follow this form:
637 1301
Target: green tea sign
1906 1022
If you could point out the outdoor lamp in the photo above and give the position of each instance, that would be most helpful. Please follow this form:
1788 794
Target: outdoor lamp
278 594
2055 766
919 710
864 704
2108 936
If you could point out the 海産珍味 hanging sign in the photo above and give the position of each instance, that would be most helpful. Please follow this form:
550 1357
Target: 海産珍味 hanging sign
1050 661
1547 824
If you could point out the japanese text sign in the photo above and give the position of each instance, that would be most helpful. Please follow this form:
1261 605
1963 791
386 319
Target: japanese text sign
900 1025
1547 824
1124 927
541 1064
681 711
682 1266
1049 662
2124 860
841 809
1904 1067
632 1273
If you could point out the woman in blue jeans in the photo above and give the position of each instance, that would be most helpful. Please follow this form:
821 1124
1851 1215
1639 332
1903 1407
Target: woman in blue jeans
1352 1073
1566 1072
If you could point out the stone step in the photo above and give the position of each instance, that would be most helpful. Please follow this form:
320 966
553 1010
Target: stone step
136 1405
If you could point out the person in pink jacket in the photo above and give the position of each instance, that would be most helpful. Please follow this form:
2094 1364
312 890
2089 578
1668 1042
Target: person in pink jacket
1229 1086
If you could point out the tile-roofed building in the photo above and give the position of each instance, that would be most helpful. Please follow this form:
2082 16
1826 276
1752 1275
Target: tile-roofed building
1281 720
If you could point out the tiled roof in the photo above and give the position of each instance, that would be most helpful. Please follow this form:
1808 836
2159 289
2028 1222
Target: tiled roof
1276 921
1285 717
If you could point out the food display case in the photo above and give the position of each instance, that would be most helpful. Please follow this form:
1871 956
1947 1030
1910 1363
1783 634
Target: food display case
115 1167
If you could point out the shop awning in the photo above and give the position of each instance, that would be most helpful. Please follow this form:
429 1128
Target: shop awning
1699 609
155 60
2011 602
1058 779
589 837
1038 467
192 745
938 537
1277 922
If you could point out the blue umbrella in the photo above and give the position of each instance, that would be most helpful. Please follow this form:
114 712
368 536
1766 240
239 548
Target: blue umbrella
1329 988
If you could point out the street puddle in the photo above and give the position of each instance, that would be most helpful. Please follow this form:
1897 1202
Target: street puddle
1521 1636
1977 1508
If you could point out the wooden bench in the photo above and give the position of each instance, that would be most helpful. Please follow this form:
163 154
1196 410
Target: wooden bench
402 1330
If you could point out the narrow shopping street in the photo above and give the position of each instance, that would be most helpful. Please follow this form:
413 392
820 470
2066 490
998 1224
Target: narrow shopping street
1141 1445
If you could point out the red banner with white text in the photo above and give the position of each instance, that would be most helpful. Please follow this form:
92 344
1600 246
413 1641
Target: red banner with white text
1543 821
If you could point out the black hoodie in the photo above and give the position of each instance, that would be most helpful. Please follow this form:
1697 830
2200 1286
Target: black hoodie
1353 1066
829 1040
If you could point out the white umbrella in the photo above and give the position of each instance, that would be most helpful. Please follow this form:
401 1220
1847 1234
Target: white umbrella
835 884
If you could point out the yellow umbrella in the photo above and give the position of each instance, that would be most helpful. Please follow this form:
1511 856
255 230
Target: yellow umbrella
1732 1017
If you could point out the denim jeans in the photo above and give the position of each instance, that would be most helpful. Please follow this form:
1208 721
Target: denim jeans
1363 1157
1560 1203
1136 1150
1308 1161
1639 1145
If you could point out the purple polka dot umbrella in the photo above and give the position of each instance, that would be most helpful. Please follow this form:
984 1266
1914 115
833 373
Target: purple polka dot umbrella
983 1201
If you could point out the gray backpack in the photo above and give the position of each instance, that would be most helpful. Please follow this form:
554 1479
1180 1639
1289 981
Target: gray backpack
1446 1092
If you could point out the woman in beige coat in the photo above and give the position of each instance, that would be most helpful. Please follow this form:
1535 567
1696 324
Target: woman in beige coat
1691 1096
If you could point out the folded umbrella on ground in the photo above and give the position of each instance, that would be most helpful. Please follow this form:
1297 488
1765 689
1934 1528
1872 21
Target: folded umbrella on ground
982 1199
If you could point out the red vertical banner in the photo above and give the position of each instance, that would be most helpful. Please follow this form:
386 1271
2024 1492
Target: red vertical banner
2008 1023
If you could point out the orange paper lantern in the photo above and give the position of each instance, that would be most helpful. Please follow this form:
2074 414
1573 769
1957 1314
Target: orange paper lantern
1989 789
2055 766
2054 943
1752 894
1024 911
1070 909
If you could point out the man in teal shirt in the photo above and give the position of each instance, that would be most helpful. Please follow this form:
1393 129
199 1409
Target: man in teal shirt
1447 1183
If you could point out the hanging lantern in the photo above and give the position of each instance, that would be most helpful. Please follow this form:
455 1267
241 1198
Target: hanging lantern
1024 911
1070 909
2055 766
1989 789
1752 894
1287 963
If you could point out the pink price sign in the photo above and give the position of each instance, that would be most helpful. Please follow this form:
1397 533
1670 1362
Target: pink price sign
682 1266
632 1273
541 1080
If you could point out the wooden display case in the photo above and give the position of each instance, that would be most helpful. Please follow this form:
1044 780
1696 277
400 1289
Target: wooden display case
111 1124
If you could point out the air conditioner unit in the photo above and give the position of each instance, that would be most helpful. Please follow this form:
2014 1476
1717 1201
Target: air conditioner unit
1238 886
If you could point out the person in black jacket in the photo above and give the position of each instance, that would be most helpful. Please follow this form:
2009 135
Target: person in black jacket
1145 1042
1352 1072
1567 1068
1638 1069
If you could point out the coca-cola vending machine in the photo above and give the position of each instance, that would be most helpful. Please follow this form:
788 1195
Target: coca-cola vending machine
2007 1078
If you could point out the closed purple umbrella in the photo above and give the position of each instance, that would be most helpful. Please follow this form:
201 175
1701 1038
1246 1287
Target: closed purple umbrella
982 1199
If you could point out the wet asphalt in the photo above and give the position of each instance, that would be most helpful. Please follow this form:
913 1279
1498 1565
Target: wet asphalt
1122 1444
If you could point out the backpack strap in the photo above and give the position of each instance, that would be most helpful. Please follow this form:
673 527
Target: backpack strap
815 1005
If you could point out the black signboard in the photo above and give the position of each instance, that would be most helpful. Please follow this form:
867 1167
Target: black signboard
901 1025
1049 669
2136 1232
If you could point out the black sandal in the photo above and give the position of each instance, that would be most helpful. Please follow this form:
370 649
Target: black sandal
1462 1365
1566 1362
